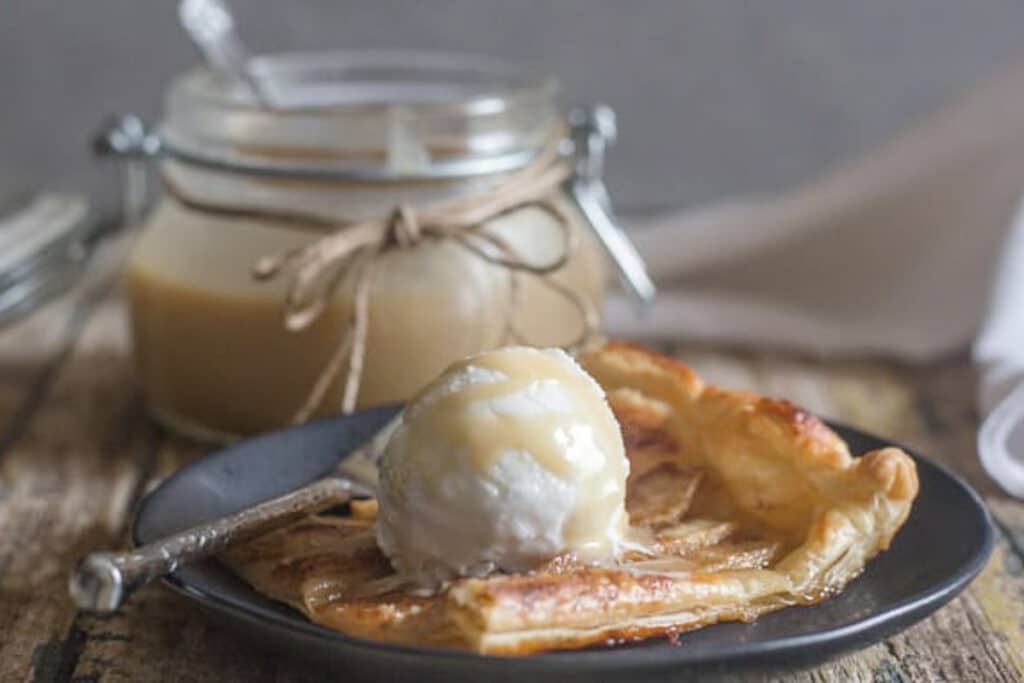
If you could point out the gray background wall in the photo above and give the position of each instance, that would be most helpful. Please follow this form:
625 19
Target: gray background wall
715 96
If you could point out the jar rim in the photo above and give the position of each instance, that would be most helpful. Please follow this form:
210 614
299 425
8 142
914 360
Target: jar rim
505 80
349 111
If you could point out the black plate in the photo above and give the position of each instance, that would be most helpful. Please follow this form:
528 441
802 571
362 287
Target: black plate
943 545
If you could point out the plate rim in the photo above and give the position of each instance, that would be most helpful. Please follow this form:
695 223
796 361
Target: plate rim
653 654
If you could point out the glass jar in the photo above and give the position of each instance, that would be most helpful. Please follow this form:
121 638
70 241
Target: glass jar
362 134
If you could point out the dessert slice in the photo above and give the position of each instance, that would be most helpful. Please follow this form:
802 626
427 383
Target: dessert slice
738 505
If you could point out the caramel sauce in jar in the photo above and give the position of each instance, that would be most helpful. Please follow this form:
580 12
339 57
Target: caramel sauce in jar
379 130
215 359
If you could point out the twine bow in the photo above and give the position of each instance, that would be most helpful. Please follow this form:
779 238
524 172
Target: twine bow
353 249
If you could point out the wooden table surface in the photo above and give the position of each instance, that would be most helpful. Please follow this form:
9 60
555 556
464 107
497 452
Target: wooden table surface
77 452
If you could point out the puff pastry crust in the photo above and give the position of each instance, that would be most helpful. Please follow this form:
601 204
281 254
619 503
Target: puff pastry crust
744 504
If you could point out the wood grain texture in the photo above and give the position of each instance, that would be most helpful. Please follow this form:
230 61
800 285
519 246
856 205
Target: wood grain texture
76 452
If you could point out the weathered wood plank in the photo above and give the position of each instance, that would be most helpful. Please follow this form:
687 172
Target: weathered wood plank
160 637
64 484
949 423
83 454
1000 588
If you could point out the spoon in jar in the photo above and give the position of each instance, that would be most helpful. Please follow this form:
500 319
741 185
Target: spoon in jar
211 26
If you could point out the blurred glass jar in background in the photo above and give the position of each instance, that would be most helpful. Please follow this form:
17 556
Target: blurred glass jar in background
373 131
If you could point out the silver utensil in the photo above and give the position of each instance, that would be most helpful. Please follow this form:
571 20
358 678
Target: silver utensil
102 581
211 26
46 239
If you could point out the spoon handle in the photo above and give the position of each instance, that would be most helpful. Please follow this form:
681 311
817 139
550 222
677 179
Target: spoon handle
102 581
211 27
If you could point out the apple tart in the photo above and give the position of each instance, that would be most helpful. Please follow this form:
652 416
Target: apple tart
738 505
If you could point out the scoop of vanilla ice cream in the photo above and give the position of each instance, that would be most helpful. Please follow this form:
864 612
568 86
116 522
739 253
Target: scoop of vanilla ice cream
508 459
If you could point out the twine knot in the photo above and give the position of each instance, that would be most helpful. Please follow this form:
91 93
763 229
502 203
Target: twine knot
403 227
353 249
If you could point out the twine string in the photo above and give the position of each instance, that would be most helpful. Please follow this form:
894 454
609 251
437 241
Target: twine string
353 249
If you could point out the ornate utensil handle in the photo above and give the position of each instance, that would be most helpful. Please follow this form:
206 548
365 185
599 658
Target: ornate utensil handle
103 580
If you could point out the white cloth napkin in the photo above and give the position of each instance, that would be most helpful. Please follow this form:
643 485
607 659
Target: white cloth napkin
911 251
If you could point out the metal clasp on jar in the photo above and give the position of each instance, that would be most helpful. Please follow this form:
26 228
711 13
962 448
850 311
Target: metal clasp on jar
592 130
129 139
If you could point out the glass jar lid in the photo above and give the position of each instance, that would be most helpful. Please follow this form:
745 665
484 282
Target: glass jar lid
380 116
375 115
